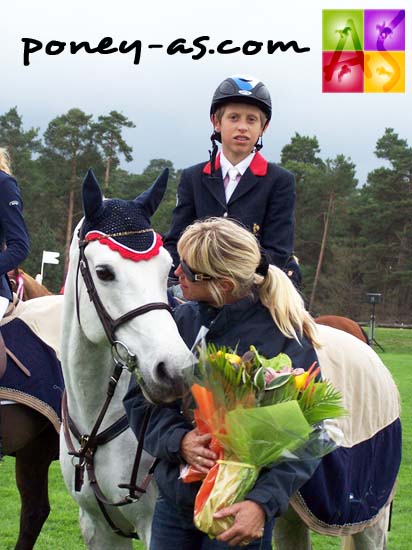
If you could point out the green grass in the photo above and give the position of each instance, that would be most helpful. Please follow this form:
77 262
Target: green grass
61 531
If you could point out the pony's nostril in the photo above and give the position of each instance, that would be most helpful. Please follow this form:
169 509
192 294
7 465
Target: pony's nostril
161 371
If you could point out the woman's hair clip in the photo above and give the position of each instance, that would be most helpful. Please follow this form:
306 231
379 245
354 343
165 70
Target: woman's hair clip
263 267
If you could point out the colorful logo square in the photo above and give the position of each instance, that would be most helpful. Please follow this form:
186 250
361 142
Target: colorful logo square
363 51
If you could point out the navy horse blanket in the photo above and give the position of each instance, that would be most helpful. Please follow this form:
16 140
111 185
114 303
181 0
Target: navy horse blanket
353 486
28 333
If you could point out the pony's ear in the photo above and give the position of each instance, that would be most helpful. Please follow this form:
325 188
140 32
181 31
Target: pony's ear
92 196
150 199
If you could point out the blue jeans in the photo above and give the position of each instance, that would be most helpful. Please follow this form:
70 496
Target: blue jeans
173 530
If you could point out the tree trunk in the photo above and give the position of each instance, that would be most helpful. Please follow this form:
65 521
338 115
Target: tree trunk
108 164
107 172
322 252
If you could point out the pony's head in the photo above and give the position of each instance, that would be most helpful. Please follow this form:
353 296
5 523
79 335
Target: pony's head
25 286
124 270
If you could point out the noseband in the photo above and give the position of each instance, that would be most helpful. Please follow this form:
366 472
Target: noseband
110 325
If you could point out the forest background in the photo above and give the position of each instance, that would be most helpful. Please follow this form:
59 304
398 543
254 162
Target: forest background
350 239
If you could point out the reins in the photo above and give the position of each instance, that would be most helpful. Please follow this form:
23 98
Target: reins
89 443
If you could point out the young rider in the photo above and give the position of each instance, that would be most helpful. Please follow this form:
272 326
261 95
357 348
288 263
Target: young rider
238 182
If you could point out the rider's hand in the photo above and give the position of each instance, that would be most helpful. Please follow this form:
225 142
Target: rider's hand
194 448
248 526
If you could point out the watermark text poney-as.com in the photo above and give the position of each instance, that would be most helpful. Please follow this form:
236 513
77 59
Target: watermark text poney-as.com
196 49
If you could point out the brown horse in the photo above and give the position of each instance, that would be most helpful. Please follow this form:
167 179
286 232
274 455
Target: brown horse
30 435
32 440
25 286
345 324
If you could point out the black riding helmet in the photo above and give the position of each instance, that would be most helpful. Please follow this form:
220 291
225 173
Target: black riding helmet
239 89
242 89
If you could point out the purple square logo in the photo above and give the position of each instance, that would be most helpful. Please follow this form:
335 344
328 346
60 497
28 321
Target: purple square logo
384 30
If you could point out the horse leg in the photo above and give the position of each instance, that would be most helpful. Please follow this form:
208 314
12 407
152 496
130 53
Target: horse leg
98 535
371 538
19 426
32 468
291 533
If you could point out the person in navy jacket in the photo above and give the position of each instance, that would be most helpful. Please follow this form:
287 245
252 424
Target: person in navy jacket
238 182
241 300
14 238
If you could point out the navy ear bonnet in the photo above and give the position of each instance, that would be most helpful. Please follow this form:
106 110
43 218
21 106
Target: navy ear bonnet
123 225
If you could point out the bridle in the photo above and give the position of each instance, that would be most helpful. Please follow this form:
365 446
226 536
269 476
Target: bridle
122 359
19 285
110 325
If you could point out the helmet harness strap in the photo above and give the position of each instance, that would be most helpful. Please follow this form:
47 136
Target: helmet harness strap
213 153
259 143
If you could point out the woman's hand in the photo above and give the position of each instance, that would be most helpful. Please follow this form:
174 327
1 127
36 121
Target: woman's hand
194 448
249 523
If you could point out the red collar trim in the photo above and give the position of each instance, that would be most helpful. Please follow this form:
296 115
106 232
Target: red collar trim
258 166
124 251
207 168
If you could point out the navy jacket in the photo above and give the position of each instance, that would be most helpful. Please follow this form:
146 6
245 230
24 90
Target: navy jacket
263 202
13 231
241 324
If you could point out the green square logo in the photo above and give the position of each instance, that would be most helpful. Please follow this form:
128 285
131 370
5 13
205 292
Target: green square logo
342 30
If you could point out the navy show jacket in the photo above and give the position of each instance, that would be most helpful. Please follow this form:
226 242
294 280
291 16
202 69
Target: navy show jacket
263 202
13 231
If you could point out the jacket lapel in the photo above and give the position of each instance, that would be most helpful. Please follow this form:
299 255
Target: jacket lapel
214 184
246 183
258 167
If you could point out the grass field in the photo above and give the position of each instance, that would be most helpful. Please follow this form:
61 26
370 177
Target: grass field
61 531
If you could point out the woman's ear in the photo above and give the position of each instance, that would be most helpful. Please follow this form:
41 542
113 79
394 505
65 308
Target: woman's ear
265 127
226 285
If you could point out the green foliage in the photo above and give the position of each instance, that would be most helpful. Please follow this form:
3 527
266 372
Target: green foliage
369 239
107 133
385 208
20 144
320 401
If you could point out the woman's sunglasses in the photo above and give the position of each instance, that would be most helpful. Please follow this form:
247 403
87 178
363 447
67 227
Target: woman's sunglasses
192 276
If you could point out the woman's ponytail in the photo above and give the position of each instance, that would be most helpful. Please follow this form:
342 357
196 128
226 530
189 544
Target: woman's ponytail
286 306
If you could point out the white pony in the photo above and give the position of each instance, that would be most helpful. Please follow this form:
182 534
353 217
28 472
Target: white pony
112 231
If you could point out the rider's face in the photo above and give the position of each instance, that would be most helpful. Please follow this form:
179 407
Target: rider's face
198 291
240 126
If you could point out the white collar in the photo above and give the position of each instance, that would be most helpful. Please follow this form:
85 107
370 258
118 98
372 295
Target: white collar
241 167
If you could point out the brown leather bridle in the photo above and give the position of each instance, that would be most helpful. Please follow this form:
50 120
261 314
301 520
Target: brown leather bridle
110 325
90 442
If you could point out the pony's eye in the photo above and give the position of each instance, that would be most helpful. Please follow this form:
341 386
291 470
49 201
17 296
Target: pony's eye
104 273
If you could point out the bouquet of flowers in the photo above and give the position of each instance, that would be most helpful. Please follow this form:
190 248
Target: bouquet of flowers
259 411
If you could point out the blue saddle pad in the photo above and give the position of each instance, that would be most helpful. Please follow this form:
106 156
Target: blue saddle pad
44 388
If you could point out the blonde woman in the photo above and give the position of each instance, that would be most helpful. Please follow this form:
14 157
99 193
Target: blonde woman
14 239
242 301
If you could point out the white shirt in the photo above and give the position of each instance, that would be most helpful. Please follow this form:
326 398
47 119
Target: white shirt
241 167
